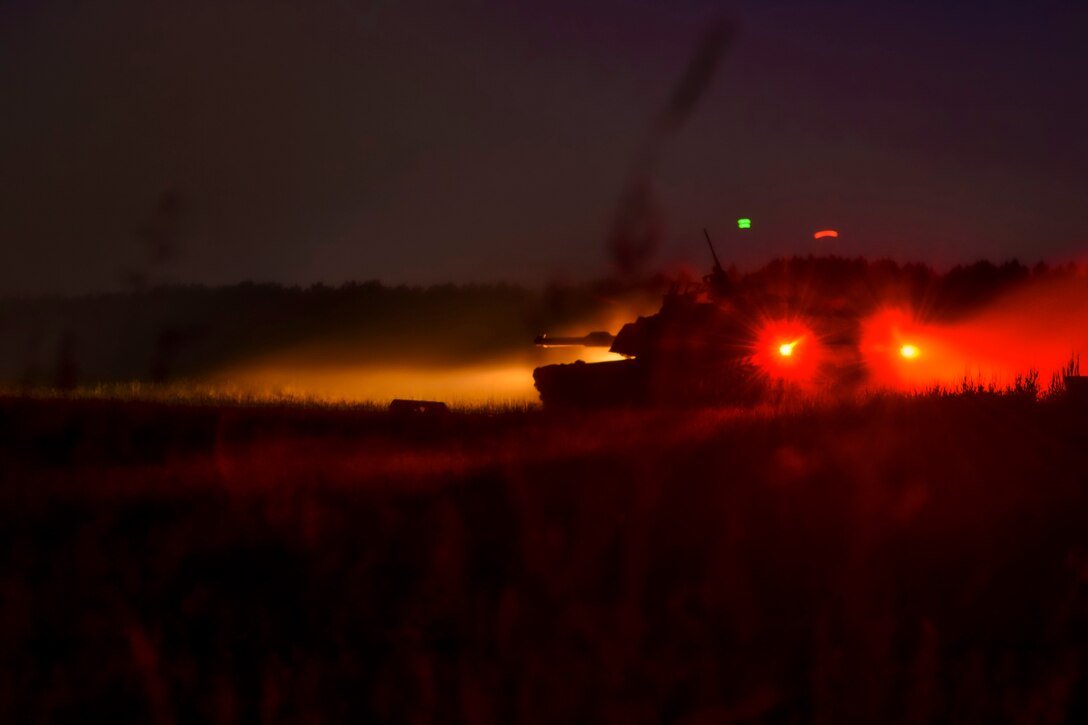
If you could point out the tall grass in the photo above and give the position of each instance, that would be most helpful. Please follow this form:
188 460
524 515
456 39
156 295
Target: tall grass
897 559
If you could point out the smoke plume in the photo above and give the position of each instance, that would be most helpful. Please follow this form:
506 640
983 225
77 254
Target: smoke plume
638 226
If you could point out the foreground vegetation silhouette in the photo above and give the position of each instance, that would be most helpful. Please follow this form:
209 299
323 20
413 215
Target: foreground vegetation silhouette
908 559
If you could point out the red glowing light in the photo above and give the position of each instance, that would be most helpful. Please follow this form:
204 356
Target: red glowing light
826 233
787 350
904 352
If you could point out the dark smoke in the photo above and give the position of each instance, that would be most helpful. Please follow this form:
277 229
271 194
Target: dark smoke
696 79
160 233
637 229
159 237
638 226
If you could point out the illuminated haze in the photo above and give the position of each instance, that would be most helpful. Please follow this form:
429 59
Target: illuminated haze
468 141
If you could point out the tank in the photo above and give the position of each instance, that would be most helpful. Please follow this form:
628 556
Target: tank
707 345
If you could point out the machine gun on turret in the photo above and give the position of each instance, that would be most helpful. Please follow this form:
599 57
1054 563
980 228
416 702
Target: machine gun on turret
718 284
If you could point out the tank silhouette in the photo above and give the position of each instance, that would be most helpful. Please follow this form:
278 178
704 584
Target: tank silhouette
701 348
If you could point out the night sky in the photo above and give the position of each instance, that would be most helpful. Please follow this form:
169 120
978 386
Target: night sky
463 141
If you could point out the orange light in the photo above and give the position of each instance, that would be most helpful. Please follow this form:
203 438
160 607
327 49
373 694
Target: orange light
787 349
909 351
826 233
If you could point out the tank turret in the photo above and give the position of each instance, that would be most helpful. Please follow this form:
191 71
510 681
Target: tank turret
694 350
707 345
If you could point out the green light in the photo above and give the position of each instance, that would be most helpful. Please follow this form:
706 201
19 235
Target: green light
744 223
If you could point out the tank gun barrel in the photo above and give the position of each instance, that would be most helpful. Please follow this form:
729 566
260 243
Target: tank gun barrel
599 338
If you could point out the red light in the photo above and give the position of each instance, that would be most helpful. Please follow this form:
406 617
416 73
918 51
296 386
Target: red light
787 350
826 233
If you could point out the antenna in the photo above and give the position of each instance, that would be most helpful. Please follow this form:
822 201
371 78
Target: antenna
717 264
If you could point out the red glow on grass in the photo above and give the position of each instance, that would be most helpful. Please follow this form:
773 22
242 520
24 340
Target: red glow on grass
1039 326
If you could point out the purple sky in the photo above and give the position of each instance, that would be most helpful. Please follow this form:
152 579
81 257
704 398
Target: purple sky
420 142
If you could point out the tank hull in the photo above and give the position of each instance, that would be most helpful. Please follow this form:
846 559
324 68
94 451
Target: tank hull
641 383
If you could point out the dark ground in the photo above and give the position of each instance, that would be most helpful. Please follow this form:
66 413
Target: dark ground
905 560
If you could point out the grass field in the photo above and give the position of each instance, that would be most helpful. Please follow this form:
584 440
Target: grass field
903 559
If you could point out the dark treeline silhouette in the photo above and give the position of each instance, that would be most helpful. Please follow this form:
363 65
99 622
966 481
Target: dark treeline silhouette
170 332
861 285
